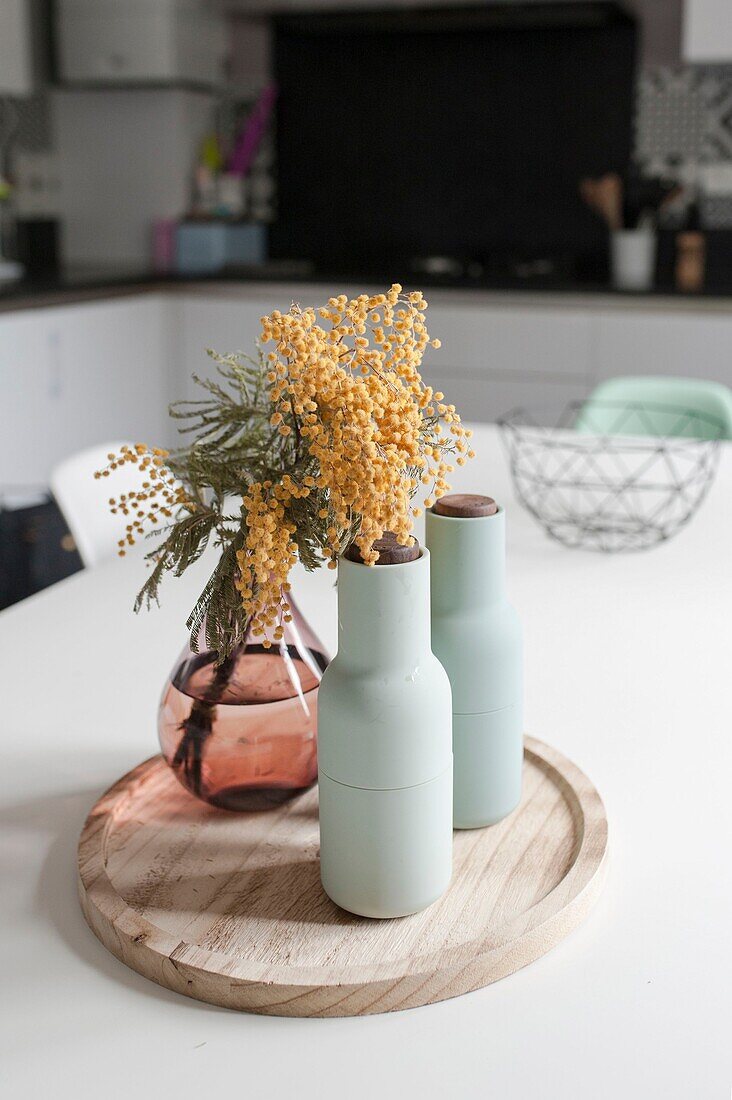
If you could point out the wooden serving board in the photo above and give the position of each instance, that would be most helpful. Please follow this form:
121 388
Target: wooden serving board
229 909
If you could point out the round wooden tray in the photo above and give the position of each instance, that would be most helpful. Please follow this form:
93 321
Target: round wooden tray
228 908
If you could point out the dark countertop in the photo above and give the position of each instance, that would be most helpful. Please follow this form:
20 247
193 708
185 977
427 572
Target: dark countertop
85 283
73 284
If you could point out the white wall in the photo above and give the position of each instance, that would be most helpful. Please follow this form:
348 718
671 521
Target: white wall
125 158
708 31
16 74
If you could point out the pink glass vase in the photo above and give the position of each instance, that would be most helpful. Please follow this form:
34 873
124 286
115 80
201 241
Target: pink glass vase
243 735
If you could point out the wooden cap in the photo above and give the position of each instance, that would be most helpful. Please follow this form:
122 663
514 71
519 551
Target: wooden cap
465 506
389 550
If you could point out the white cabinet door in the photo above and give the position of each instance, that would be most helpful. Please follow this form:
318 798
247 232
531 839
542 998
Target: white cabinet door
707 30
551 343
224 324
133 41
77 375
113 371
493 359
27 401
482 398
684 344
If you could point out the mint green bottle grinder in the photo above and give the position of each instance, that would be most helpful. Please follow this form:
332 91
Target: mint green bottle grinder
477 637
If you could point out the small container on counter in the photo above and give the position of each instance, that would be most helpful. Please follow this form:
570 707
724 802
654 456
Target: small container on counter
691 254
206 247
477 637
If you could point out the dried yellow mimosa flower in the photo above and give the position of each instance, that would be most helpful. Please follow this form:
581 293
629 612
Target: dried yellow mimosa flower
351 393
155 502
325 439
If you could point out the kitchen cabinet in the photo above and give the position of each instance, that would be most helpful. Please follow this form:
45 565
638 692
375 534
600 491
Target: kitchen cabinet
707 31
139 41
218 321
492 359
691 345
76 375
16 61
482 398
27 389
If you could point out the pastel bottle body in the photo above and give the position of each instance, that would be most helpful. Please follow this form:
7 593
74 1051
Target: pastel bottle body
477 636
385 747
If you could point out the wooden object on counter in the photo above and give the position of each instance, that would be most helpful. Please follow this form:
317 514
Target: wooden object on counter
691 254
605 197
389 550
229 909
465 506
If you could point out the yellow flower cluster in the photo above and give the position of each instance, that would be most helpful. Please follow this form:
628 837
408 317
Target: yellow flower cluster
266 563
349 394
157 498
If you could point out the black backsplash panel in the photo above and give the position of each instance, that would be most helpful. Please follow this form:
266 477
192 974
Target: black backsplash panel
458 132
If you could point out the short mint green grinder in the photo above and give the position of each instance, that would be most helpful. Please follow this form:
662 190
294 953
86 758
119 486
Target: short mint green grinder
477 637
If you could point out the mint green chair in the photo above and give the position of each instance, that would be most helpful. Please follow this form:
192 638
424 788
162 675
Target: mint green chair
656 405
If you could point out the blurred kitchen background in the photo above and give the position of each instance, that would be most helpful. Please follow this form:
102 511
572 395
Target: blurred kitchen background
558 174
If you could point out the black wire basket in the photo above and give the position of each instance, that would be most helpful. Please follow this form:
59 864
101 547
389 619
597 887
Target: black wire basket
613 476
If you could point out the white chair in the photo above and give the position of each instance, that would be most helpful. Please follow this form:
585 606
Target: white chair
84 500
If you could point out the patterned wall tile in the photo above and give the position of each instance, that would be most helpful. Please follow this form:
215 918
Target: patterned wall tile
683 128
670 116
715 86
684 115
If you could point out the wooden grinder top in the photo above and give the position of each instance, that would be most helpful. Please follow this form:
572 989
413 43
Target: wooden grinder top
389 550
465 506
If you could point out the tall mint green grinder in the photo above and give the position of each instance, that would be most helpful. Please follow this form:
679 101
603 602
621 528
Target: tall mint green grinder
477 637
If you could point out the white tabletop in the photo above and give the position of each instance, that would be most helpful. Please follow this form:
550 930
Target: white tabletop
627 671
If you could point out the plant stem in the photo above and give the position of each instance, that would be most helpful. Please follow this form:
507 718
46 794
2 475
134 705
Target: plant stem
198 726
